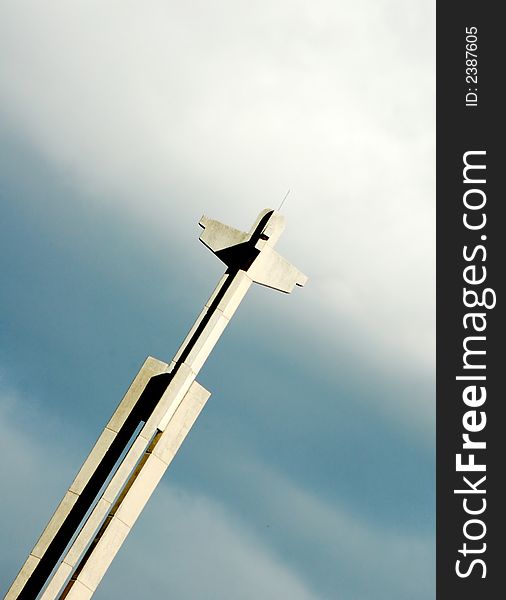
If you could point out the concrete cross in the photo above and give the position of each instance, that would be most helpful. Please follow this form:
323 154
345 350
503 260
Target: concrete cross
148 427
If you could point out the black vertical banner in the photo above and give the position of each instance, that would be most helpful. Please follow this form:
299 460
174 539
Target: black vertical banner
471 250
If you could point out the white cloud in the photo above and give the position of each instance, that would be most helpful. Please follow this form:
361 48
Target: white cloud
171 108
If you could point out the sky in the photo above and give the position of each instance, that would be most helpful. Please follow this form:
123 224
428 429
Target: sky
310 473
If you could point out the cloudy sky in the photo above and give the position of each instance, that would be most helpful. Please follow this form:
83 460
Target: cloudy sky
309 475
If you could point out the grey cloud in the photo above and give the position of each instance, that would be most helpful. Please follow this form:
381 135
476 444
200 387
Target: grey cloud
191 545
187 544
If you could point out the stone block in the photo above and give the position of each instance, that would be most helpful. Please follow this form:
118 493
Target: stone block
141 490
56 583
169 401
87 533
150 368
79 592
181 423
93 460
54 524
22 577
125 469
102 555
206 342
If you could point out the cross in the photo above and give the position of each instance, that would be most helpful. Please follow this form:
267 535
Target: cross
149 425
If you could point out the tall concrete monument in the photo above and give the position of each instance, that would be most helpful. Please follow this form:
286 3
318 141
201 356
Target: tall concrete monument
148 427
